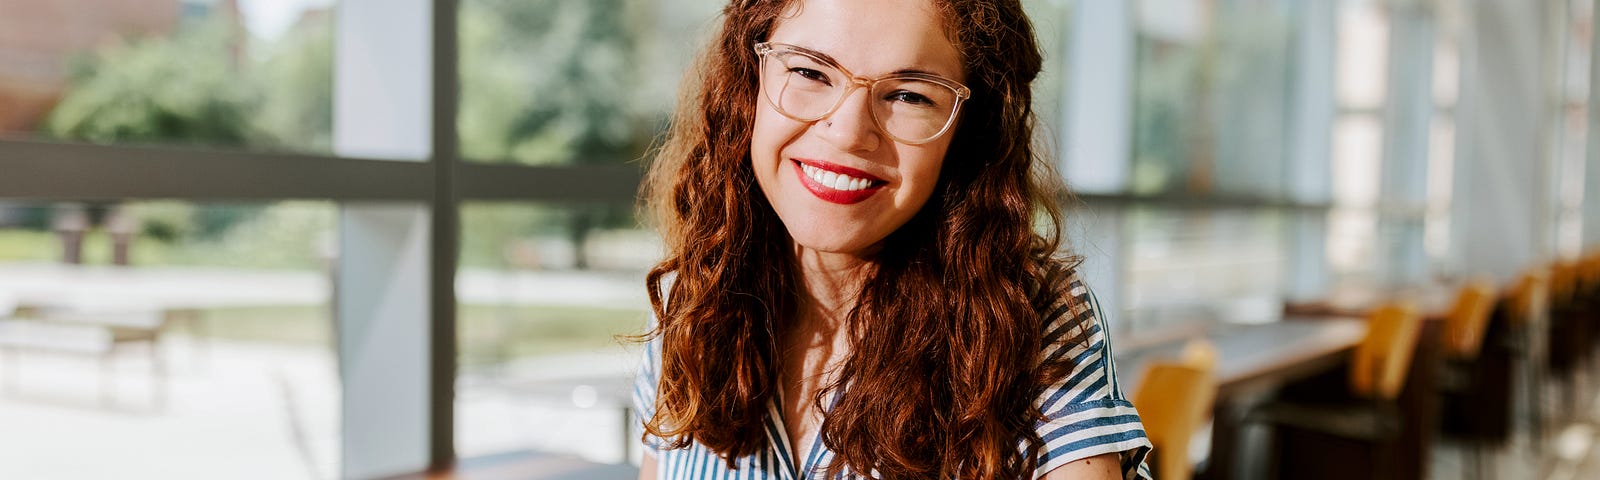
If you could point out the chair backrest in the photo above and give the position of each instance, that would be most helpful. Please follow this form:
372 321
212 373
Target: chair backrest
1563 282
1588 273
1530 299
1173 399
1200 354
1469 319
1378 367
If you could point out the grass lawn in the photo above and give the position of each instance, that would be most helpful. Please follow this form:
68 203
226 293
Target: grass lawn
486 333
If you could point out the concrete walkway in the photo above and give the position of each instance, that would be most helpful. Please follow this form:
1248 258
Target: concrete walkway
247 410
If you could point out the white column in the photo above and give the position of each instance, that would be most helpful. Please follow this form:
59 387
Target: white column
1096 133
1309 173
1097 235
382 110
1097 128
1404 188
1501 205
1591 171
382 313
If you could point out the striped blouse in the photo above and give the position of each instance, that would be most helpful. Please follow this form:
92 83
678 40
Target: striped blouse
1085 415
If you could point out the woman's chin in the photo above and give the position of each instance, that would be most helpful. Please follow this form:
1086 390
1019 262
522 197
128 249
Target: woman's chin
839 244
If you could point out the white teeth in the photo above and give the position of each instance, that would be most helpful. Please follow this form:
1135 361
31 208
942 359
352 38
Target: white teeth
833 180
843 183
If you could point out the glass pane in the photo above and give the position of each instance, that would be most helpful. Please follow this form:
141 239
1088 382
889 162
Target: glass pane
1205 265
545 292
167 340
1363 55
572 81
253 74
1211 97
1051 24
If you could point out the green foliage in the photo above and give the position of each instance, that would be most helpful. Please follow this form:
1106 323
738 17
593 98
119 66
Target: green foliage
297 78
177 89
552 81
289 234
165 221
488 230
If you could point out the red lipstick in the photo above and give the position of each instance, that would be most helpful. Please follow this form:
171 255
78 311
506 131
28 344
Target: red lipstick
833 195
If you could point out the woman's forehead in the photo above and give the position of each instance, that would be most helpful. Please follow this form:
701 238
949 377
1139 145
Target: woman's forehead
872 37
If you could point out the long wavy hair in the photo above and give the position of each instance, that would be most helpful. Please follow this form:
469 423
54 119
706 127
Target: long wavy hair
944 363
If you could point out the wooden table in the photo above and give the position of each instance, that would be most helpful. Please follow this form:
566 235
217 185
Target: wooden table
1433 302
1253 359
1260 355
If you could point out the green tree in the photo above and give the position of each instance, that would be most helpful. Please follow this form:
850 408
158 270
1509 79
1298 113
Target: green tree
297 87
556 82
183 89
552 81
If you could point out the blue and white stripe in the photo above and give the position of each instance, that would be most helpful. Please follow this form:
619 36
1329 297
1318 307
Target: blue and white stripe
1085 415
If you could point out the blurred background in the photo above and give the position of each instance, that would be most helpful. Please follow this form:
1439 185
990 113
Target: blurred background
262 239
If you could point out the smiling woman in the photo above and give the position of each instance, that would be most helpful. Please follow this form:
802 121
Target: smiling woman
852 286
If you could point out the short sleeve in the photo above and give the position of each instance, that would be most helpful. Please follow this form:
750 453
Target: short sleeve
644 391
1086 413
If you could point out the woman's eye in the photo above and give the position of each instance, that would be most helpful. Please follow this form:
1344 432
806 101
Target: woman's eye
914 98
809 74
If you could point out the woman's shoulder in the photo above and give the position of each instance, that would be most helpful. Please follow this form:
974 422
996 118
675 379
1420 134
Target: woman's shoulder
1060 294
1073 325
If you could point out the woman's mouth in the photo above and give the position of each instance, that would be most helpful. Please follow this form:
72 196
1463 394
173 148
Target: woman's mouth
836 183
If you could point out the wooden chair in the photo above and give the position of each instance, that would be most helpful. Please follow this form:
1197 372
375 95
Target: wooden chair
1199 353
1174 399
1475 383
1568 333
1528 311
1365 419
1378 368
1468 320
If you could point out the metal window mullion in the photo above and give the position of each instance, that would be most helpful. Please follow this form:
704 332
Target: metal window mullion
446 231
48 171
66 171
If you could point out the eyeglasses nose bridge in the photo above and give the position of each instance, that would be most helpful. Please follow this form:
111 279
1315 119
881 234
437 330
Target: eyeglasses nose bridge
865 84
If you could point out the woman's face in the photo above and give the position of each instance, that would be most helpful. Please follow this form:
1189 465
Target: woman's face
884 182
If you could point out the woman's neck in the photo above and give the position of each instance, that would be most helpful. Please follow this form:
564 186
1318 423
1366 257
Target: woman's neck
831 282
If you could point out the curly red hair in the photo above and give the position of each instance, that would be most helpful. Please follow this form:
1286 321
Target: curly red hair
944 363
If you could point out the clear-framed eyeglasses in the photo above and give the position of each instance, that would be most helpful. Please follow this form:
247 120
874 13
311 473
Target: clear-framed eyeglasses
911 108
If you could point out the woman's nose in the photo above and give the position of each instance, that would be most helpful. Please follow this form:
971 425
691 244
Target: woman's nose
850 127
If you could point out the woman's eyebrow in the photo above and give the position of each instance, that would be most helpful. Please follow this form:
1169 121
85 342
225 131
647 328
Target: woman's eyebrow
829 58
919 72
825 57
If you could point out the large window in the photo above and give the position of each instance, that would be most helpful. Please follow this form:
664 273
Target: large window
199 258
1213 83
1394 143
1212 136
